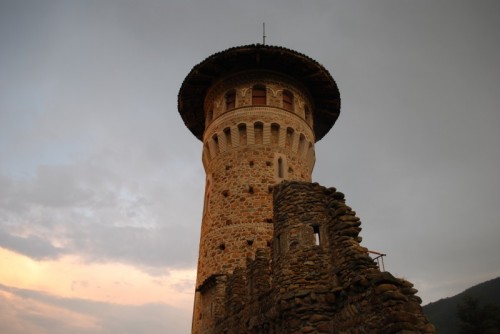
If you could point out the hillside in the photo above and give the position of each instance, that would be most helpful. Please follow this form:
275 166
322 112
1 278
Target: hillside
443 313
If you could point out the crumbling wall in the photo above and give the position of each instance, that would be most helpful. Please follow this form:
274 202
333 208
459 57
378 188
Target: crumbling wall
317 278
301 267
369 301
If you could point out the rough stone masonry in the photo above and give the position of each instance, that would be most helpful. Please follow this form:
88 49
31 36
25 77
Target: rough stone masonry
317 277
277 253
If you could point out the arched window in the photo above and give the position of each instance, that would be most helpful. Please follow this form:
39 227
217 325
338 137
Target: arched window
258 132
207 149
310 156
317 235
207 197
215 141
227 133
289 137
302 145
275 133
308 115
230 100
259 95
242 133
287 100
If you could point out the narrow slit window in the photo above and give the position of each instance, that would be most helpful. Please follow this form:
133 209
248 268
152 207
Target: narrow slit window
302 144
287 100
289 137
207 149
308 115
317 236
230 100
227 133
242 132
259 132
215 140
275 133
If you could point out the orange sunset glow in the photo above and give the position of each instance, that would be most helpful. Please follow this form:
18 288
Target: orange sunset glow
70 277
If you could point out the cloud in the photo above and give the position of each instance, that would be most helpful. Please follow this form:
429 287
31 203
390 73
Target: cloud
76 210
106 207
73 277
38 248
29 311
97 168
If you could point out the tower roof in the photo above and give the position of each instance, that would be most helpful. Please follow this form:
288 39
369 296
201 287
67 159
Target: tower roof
311 74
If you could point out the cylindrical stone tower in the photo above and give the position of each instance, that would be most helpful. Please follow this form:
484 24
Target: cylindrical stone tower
258 110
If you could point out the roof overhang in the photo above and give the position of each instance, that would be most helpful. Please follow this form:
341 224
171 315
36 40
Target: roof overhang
313 76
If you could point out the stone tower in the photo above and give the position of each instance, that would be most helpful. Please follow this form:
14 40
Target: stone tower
258 110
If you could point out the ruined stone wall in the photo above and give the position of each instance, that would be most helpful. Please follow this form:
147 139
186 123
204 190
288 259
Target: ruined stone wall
320 279
214 291
301 269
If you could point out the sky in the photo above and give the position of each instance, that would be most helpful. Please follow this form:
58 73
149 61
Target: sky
101 184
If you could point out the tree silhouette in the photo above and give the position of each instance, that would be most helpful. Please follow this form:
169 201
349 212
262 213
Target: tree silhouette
477 319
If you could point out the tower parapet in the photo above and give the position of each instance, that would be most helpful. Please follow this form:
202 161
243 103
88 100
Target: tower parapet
313 77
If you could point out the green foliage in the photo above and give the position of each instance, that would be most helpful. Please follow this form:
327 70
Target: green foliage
443 313
477 319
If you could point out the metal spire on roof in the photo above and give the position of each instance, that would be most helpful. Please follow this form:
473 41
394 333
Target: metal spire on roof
264 33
